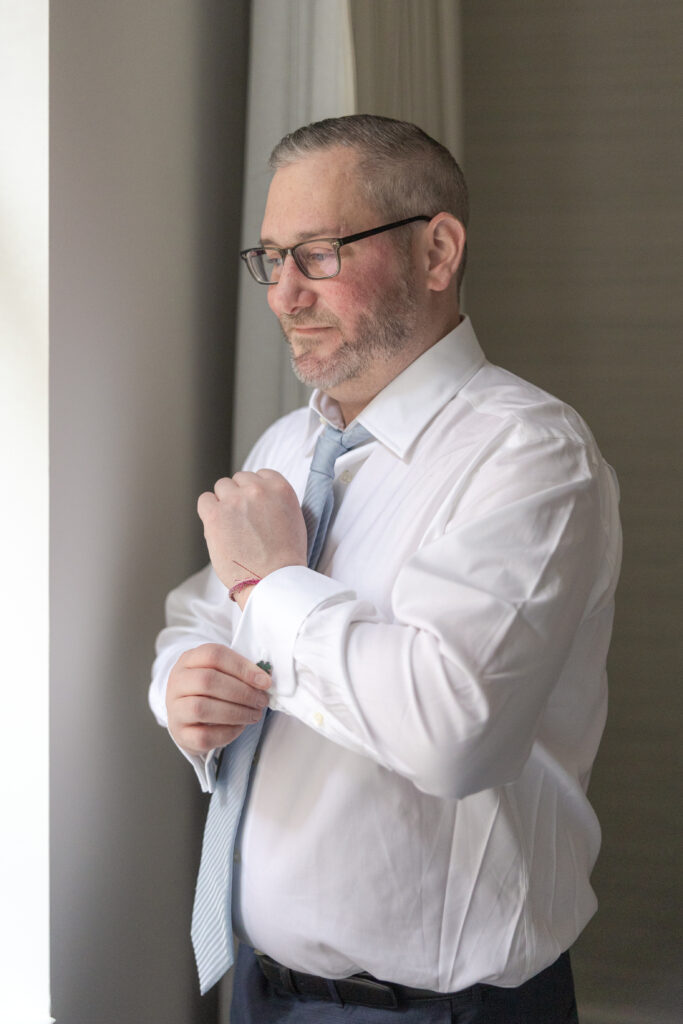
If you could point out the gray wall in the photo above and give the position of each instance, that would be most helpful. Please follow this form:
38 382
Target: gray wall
147 110
573 154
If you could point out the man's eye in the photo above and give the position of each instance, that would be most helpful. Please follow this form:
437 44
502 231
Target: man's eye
272 259
319 254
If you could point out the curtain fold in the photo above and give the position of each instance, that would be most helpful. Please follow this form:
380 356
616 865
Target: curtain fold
301 70
409 64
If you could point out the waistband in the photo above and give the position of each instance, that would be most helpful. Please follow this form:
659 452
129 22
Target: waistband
357 990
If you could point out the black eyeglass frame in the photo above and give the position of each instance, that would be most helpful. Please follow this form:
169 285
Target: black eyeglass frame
335 242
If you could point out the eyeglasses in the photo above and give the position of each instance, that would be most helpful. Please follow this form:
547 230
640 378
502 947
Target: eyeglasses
317 259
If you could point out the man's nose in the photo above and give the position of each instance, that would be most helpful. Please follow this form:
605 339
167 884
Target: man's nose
293 290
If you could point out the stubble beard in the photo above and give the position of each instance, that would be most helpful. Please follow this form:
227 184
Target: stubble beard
379 334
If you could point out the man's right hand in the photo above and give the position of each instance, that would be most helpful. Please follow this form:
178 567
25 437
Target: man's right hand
212 694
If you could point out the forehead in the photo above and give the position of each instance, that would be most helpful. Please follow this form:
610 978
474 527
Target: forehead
317 195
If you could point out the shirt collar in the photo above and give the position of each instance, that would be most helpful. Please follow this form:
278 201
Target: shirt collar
401 411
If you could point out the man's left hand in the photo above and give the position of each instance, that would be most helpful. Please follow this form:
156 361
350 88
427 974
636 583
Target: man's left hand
253 525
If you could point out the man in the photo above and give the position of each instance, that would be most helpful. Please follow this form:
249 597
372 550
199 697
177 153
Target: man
416 841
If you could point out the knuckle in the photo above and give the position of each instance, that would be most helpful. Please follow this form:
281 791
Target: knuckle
213 653
204 680
251 488
242 671
231 661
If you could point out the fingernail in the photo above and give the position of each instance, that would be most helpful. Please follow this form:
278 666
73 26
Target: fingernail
262 678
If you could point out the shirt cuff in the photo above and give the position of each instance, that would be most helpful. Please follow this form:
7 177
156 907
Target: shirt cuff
273 617
204 766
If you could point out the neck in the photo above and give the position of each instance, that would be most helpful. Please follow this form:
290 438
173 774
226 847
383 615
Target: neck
352 400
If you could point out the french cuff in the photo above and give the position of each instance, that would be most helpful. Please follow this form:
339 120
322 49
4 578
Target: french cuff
204 767
274 614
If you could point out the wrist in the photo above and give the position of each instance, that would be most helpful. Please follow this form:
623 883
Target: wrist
243 595
238 588
243 586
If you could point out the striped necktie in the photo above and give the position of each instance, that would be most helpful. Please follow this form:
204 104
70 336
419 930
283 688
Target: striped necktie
318 500
212 915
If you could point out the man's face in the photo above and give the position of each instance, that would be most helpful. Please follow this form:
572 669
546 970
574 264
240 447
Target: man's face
346 332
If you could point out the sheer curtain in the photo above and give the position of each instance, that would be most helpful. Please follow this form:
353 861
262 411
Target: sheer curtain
409 64
301 70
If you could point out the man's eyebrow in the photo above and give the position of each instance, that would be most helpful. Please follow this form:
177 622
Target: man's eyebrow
305 236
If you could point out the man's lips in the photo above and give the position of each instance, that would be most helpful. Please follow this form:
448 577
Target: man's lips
305 324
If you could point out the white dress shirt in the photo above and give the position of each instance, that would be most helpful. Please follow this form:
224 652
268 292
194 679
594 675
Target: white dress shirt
418 808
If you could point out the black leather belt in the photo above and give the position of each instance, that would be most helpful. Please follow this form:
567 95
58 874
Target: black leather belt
358 990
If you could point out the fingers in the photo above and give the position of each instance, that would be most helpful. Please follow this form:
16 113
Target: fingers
271 474
204 711
204 684
199 725
244 478
198 709
212 694
227 488
200 739
224 660
206 503
227 485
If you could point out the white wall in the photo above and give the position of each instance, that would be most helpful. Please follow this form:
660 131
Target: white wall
24 899
147 109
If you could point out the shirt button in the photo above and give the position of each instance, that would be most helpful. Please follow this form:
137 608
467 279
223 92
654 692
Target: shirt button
236 856
346 477
318 718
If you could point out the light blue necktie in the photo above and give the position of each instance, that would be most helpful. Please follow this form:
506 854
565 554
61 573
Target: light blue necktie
212 914
318 500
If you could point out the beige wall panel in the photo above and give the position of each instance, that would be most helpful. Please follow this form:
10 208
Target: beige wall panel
147 108
573 154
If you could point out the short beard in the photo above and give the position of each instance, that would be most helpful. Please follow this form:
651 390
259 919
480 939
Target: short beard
380 333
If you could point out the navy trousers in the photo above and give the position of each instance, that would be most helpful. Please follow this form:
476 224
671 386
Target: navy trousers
547 998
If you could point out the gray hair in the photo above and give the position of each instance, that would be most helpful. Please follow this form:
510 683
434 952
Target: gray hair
403 172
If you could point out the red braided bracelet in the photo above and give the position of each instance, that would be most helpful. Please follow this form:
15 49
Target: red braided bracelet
242 585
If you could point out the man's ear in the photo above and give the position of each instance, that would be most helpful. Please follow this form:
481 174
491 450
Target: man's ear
444 250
